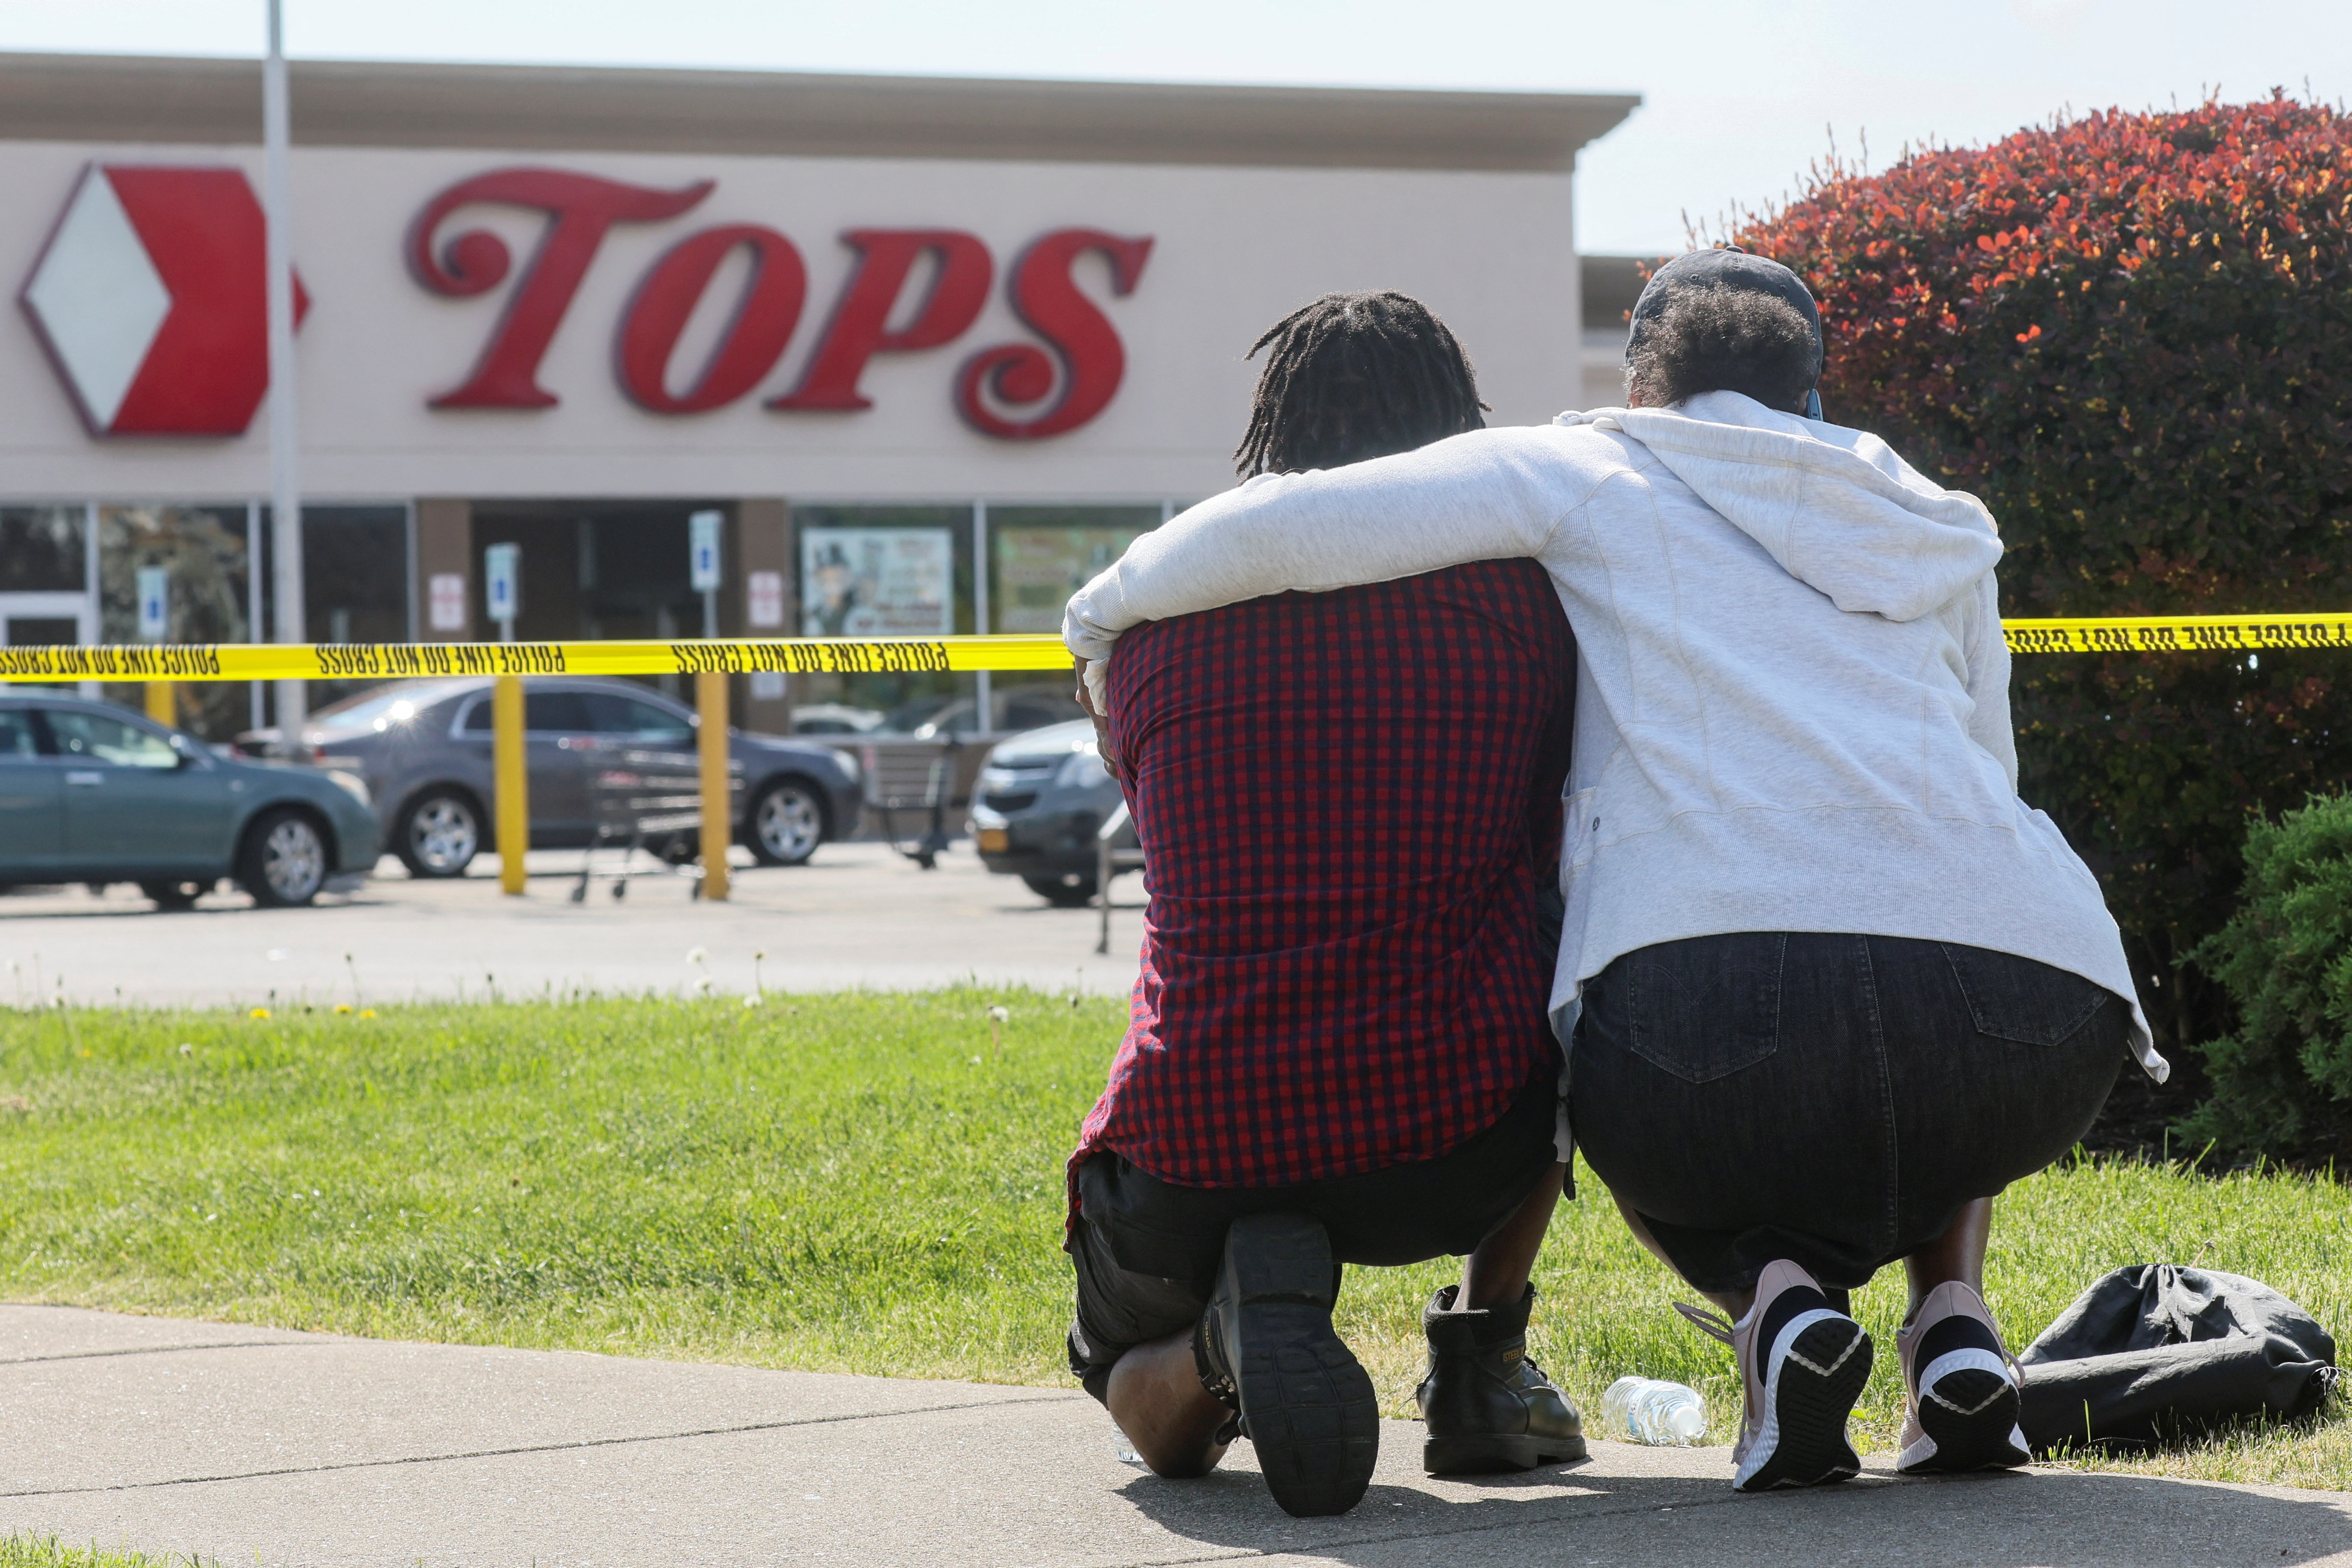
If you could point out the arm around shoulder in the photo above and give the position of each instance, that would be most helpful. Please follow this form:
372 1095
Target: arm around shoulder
1486 494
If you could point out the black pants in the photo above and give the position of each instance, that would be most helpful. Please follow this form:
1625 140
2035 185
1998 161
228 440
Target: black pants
1831 1100
1147 1251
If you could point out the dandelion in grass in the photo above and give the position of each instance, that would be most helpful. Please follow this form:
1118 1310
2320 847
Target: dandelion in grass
367 1012
997 1018
342 1006
187 1049
258 1012
759 957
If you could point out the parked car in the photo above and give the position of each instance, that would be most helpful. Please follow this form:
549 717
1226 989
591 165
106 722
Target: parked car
424 749
1021 708
90 793
834 719
1034 810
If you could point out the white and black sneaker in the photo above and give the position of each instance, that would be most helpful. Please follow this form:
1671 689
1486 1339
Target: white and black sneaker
1802 1364
1963 1387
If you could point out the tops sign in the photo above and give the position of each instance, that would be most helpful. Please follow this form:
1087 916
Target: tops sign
1014 391
148 298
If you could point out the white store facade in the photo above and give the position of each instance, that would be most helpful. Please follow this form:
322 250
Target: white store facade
929 347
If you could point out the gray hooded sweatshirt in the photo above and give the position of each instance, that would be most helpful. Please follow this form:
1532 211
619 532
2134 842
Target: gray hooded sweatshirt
1793 693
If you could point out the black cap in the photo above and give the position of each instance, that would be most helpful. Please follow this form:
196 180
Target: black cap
1726 266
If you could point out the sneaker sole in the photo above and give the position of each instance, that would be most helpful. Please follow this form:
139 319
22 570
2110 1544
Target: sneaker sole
1308 1406
1494 1455
1969 1414
1819 1369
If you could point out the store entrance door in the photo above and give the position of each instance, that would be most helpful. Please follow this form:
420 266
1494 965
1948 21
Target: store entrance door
35 620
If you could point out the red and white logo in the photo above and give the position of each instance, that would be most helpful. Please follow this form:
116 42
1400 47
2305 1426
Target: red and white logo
149 298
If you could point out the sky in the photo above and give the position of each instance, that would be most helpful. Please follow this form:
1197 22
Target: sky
1739 100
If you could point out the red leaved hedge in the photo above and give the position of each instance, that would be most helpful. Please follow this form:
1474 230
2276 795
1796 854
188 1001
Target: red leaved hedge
2131 335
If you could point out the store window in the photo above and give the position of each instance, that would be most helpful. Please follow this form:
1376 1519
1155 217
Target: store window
203 551
355 573
354 583
1040 555
44 588
218 564
41 549
593 571
890 572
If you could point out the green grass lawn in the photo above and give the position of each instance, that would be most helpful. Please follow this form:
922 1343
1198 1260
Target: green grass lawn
859 1183
48 1551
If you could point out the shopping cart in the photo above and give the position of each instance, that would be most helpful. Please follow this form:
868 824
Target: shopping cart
920 779
644 802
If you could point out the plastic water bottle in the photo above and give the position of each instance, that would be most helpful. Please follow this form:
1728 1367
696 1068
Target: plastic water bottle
1650 1410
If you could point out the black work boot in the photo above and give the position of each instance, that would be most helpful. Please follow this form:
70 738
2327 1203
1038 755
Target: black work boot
1486 1405
1306 1405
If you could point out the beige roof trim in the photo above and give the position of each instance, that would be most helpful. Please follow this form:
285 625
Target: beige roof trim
338 103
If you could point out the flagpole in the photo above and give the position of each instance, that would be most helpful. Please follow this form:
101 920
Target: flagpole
285 490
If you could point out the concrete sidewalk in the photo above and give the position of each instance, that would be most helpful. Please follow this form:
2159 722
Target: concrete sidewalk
256 1446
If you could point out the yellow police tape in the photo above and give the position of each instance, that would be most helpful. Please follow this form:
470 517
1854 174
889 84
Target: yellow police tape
2178 633
894 656
396 661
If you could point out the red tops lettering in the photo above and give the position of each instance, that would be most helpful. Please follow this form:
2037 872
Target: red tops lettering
1012 391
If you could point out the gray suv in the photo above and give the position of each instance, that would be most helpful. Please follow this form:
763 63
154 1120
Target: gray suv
424 749
1036 805
90 793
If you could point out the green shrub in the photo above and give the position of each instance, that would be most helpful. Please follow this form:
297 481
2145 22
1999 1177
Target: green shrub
2282 1082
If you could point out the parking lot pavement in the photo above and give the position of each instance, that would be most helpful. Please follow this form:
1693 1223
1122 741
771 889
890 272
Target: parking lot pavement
856 916
262 1447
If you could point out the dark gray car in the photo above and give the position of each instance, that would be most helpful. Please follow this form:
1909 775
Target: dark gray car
424 749
90 793
1034 810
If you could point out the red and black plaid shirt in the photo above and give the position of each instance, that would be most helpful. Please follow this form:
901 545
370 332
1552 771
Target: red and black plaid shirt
1346 800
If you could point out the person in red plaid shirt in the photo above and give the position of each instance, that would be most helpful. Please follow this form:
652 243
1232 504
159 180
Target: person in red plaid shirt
1338 1050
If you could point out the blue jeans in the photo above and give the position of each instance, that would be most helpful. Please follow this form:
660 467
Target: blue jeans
1828 1099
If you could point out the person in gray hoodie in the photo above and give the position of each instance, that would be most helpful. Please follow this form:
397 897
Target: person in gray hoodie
1827 983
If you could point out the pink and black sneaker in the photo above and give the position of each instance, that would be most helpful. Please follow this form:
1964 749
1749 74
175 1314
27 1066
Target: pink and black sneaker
1963 1386
1803 1365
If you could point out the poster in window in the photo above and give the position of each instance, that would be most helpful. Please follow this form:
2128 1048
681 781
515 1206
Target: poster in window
1037 569
877 583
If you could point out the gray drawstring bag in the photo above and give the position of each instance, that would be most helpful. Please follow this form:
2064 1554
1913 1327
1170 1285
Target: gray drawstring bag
2158 1351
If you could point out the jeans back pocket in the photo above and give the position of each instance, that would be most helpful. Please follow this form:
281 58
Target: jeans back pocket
2021 999
1704 1009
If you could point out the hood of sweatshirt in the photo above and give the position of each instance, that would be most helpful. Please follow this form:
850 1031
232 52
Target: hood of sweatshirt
1836 508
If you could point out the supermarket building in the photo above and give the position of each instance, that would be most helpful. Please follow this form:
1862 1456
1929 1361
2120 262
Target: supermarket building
932 349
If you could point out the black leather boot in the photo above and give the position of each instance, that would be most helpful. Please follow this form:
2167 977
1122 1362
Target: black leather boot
1265 1347
1486 1406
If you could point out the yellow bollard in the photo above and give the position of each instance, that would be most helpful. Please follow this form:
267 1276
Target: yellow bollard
512 776
718 819
163 703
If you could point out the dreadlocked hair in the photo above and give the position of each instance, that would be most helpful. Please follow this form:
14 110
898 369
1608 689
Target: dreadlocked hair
1353 376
